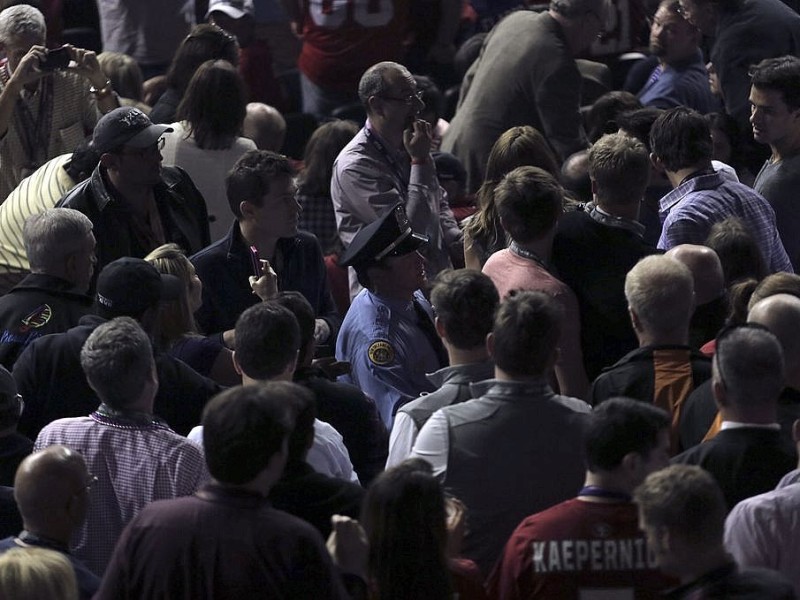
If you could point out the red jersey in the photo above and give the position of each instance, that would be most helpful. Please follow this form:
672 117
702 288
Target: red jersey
343 38
581 550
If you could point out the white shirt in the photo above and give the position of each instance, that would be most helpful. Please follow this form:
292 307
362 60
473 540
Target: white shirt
401 440
764 531
328 455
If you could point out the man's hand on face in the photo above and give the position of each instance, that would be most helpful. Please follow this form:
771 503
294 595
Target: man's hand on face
28 70
418 140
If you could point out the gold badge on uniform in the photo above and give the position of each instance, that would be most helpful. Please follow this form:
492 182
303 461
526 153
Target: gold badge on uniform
381 353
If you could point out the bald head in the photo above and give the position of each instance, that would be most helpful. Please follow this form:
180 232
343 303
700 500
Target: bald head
706 269
264 125
44 488
781 315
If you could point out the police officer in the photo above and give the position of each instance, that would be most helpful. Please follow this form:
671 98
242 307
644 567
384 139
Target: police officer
388 335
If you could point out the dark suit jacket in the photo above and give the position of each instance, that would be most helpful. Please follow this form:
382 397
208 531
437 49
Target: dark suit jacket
745 461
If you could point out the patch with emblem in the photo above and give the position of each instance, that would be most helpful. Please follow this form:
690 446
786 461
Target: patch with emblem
38 318
380 353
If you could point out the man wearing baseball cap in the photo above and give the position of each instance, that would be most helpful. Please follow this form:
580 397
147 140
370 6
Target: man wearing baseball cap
388 335
134 203
49 376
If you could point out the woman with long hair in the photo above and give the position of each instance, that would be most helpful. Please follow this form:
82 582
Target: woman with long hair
411 532
314 182
204 42
518 147
205 141
177 332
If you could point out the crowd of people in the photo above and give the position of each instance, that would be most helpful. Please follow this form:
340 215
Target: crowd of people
400 299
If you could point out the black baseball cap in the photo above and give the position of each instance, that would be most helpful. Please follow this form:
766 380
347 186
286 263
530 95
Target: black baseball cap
390 235
125 126
129 286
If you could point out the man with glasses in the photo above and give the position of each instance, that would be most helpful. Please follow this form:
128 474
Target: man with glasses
748 456
526 75
134 203
52 489
389 161
678 76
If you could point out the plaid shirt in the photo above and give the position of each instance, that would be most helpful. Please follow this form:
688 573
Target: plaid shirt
318 218
689 211
134 465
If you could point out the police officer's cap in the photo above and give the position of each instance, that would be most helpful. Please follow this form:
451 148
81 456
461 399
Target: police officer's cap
390 235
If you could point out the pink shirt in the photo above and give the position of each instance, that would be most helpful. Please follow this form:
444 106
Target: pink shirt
509 271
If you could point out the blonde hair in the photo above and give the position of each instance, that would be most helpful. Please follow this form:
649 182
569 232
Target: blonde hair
175 317
37 574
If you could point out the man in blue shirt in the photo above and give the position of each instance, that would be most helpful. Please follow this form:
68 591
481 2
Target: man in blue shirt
681 147
388 335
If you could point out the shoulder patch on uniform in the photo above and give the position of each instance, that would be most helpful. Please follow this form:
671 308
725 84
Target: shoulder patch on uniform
380 353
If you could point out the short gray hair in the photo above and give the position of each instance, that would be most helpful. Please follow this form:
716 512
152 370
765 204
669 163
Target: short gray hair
52 235
749 362
373 81
117 360
660 290
21 20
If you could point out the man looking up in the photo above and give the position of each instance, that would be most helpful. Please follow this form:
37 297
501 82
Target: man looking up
579 544
388 335
775 119
262 197
389 161
680 77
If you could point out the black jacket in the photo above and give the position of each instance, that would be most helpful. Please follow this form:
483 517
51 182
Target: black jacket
225 268
50 378
181 208
38 305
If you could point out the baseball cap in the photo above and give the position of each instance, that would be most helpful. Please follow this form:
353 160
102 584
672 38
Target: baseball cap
129 286
235 9
125 126
390 235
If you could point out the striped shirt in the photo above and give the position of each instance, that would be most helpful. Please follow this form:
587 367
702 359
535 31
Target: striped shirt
42 190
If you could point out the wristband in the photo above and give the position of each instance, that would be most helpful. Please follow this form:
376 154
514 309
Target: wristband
414 161
103 92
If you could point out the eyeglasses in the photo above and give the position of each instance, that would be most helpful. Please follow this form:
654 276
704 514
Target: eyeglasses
407 100
144 152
